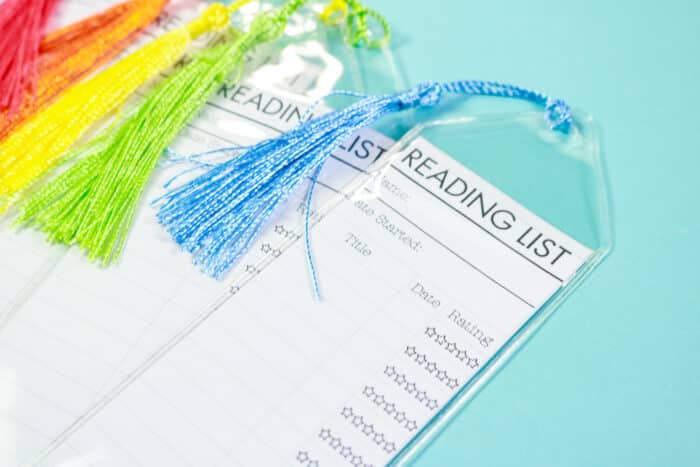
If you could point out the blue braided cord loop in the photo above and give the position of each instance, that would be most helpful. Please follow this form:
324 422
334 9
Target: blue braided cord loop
557 112
429 94
426 94
217 215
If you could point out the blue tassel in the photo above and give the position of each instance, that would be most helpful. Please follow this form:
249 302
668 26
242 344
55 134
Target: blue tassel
219 214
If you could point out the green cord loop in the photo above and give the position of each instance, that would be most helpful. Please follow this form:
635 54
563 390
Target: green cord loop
358 32
357 18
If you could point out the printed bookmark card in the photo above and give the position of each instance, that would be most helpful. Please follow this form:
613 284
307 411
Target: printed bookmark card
425 275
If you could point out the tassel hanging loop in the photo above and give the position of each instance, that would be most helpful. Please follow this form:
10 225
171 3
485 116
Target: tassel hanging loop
557 112
269 26
335 12
357 16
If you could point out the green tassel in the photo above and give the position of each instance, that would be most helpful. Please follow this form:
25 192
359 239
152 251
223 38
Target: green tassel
93 203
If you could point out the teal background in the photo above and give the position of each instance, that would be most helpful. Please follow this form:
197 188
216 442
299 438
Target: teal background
612 378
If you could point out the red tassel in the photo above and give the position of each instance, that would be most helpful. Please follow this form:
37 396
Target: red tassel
22 24
71 53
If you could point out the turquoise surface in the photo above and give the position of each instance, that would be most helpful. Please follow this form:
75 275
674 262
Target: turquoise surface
612 377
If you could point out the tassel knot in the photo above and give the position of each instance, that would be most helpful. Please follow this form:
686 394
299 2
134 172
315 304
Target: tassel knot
558 114
267 28
215 18
426 94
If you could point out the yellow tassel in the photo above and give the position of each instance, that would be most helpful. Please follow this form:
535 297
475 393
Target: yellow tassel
37 146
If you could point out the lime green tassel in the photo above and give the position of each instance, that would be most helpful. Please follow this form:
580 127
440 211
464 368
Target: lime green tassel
93 203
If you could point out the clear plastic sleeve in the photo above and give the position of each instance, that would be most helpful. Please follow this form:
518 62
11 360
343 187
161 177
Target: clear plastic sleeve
438 256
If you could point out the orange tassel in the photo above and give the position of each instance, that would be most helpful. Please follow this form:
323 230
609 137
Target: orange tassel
73 52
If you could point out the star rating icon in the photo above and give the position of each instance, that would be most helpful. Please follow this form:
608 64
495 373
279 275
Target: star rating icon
324 434
410 351
276 253
302 456
346 452
368 430
369 390
411 388
400 417
313 463
357 420
390 371
452 383
451 347
411 425
462 355
421 359
279 229
379 399
335 443
421 396
389 447
431 367
266 248
378 438
441 339
356 460
473 362
430 332
389 408
441 375
432 404
400 380
346 412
